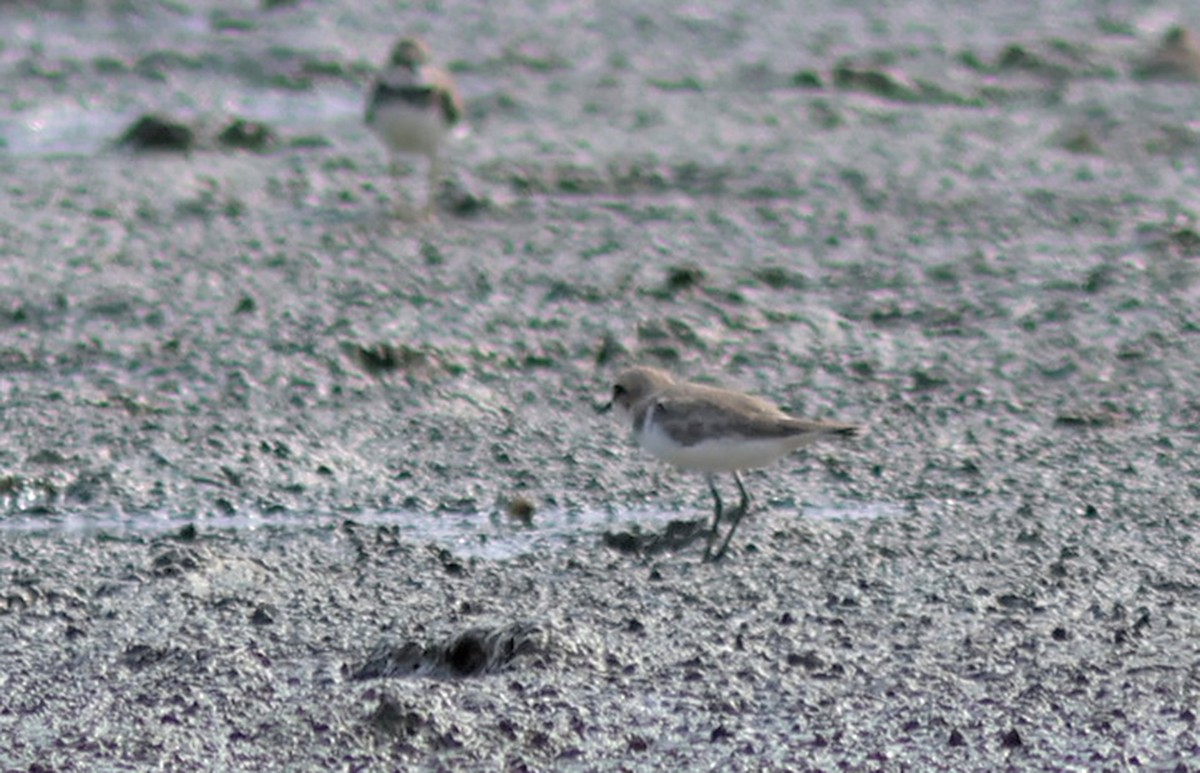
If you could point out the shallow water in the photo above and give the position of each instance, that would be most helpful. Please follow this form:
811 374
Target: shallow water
486 536
71 129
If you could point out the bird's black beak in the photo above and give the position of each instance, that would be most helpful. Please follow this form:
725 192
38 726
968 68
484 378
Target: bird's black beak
604 407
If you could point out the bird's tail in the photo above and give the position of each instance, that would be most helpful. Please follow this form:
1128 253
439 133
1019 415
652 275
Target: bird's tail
846 430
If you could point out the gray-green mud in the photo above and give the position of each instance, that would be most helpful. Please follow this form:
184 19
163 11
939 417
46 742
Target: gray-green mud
973 230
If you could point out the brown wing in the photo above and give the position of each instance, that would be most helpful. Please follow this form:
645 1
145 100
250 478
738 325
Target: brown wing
452 104
811 426
695 418
704 413
739 401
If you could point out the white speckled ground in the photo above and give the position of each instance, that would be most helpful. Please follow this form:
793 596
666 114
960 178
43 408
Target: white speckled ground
992 265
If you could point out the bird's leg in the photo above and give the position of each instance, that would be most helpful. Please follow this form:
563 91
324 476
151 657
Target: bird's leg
435 172
712 533
735 517
396 169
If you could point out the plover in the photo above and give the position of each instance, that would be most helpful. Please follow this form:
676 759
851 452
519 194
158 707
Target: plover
412 108
1176 58
711 430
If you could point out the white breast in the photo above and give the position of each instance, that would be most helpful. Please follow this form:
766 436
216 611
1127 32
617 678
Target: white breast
407 128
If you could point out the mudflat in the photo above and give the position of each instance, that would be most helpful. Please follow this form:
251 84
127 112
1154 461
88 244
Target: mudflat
241 400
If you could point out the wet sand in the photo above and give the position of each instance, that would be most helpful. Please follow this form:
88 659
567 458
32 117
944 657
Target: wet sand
976 236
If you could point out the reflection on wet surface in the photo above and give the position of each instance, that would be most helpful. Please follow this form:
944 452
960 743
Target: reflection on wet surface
488 536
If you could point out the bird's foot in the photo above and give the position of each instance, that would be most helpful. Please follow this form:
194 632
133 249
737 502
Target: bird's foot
733 518
711 556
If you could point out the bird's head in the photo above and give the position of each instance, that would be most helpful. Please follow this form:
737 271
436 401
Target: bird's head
634 386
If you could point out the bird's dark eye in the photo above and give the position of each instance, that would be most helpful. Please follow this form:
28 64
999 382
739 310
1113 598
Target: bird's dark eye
618 390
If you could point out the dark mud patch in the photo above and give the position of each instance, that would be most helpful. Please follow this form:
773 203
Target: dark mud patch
155 133
676 535
472 652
